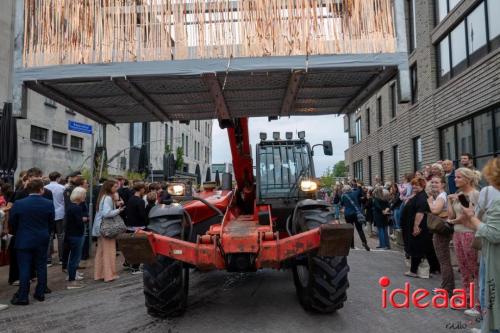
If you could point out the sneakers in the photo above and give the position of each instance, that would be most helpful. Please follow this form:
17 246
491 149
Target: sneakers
78 277
74 285
15 283
136 272
475 330
472 313
3 306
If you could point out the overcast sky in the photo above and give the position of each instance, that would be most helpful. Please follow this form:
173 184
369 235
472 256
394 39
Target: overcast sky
317 128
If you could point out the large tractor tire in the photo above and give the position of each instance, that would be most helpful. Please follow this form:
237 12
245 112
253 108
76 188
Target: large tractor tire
166 284
166 281
321 282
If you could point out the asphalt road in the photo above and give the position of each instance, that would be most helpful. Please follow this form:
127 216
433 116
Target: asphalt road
221 302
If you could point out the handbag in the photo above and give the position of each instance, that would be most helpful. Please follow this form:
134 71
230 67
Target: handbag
438 225
359 215
111 227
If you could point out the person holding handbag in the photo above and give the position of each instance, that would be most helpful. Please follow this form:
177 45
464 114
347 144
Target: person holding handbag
438 206
463 236
105 257
351 204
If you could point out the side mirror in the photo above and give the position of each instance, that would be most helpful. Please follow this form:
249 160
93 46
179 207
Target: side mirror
327 148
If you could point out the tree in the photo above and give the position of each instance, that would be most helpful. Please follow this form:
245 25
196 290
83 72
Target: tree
179 158
340 170
331 174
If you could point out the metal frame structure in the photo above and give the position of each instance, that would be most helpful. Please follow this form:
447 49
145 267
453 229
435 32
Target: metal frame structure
221 89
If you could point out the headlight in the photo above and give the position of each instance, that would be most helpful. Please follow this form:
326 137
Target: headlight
176 189
308 186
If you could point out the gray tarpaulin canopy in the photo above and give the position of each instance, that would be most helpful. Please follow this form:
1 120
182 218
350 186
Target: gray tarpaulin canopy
215 88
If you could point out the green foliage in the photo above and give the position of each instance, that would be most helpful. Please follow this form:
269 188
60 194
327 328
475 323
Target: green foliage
179 158
131 176
331 174
340 170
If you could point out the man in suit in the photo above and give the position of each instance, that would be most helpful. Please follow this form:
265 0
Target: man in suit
32 218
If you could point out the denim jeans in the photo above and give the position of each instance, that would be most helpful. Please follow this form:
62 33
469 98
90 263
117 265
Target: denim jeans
397 217
383 237
75 253
337 211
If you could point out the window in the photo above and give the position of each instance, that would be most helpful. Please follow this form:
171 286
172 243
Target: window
444 7
497 129
357 137
394 99
444 60
50 103
187 146
448 143
464 137
39 134
172 137
76 143
468 42
417 154
183 144
368 129
199 154
59 139
458 49
493 7
136 134
358 170
476 34
412 25
479 135
414 83
483 138
379 111
166 139
381 165
370 172
395 162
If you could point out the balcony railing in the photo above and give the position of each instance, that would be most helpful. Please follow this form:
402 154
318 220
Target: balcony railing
59 32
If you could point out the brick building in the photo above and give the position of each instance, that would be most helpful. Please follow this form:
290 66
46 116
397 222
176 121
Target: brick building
454 59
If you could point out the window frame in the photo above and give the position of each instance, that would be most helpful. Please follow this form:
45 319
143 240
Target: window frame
368 124
395 162
370 170
358 128
414 83
381 166
64 135
36 140
79 139
379 111
412 26
416 153
394 99
496 147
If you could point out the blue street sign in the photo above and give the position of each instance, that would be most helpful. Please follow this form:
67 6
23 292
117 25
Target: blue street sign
79 127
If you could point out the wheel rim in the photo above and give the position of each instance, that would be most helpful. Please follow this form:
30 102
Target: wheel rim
303 275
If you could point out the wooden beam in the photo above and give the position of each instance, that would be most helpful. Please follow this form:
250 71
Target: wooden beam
59 97
140 97
217 95
291 92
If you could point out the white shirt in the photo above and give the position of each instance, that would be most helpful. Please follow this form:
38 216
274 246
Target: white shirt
58 199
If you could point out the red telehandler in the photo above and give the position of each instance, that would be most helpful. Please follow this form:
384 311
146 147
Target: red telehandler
270 220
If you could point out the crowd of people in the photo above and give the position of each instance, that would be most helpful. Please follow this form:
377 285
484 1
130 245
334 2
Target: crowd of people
42 213
435 209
